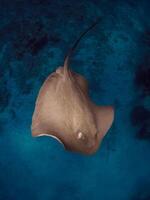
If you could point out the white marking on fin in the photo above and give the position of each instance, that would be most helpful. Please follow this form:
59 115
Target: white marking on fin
44 134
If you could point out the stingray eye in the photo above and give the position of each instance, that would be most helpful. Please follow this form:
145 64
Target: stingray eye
81 136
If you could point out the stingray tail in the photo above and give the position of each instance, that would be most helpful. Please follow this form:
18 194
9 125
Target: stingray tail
67 58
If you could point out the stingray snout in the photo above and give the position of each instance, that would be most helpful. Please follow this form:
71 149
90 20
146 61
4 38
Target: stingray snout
89 142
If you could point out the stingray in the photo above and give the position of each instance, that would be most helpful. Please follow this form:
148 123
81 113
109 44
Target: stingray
64 110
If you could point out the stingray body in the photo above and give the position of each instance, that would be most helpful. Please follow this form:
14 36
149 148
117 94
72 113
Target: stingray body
65 112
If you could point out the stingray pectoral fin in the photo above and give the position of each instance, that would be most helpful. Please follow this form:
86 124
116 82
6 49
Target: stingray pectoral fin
52 136
104 118
39 131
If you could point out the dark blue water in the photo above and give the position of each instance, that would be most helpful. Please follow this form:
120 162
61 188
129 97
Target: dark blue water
115 58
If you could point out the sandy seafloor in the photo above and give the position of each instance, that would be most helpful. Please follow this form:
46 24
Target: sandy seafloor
115 58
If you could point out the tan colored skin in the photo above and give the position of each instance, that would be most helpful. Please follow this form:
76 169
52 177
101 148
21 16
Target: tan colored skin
65 112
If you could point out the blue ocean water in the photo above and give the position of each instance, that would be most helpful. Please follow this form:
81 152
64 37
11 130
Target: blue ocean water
114 57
